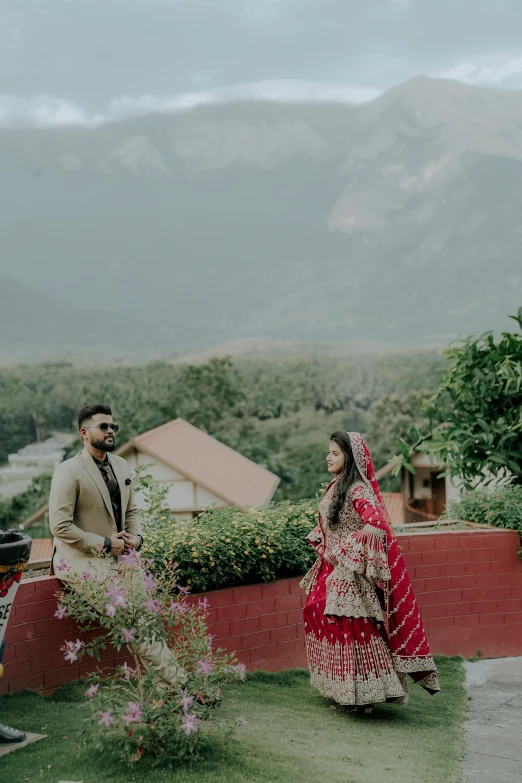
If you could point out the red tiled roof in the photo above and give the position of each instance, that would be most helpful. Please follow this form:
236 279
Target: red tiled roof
41 549
207 462
395 505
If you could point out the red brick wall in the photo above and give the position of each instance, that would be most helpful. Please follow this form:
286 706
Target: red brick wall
468 585
263 624
32 657
469 588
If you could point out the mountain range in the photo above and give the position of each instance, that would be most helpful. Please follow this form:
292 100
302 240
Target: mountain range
395 221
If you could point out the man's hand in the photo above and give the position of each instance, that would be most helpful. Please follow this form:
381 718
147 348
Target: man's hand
131 542
117 544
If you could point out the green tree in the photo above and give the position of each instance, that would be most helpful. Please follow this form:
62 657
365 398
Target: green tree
206 393
390 419
479 407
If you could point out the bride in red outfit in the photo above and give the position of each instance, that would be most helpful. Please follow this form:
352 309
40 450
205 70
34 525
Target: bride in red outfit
363 629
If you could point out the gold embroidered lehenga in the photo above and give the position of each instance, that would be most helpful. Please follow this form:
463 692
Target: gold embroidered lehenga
363 629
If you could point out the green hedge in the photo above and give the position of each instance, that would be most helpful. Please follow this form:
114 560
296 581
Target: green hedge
500 507
224 547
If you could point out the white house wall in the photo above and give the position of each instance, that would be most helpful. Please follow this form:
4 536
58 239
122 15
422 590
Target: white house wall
180 496
420 492
425 493
205 498
158 470
183 496
453 488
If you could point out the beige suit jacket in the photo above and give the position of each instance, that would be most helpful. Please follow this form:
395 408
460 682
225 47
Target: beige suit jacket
81 514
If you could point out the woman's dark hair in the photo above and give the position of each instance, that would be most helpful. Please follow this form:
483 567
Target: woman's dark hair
349 477
91 410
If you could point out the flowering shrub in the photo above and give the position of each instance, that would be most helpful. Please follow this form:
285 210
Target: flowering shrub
500 508
154 511
140 713
228 547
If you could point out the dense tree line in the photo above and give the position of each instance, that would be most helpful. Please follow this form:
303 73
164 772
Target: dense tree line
278 412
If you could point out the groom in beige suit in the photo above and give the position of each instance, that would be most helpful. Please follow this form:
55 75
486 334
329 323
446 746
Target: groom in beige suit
92 501
92 505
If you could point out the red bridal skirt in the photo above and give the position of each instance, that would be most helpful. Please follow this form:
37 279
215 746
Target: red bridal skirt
349 657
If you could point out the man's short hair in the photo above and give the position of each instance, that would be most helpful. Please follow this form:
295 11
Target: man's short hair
91 410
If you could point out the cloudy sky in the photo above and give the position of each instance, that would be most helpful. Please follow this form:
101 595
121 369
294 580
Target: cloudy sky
69 60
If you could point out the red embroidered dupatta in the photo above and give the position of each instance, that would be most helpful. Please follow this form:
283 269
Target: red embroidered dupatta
407 639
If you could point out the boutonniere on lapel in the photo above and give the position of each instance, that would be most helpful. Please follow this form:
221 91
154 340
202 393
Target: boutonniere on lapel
127 482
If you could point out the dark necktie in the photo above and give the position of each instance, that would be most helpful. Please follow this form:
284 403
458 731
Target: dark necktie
109 478
114 490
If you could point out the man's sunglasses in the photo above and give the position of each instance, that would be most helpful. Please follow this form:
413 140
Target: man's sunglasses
104 426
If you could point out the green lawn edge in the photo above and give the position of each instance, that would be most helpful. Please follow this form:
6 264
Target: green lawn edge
291 734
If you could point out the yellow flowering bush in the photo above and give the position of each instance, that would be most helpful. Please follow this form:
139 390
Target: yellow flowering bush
225 546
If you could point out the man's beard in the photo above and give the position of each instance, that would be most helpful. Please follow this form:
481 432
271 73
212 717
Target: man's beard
104 445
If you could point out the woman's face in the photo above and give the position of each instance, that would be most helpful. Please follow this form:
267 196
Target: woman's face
335 459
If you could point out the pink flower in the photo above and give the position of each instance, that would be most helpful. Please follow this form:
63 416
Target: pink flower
204 604
190 723
117 596
152 605
71 650
242 721
110 610
62 565
61 612
204 667
150 562
240 668
148 582
128 672
183 590
134 709
106 719
131 558
134 713
128 635
186 701
86 575
178 608
92 691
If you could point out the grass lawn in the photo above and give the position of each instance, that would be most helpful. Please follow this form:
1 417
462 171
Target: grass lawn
292 736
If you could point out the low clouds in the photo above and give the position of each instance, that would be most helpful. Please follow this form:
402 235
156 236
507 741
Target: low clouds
90 51
86 53
47 112
40 112
496 71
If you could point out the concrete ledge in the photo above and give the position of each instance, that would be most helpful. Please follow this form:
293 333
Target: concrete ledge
5 749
